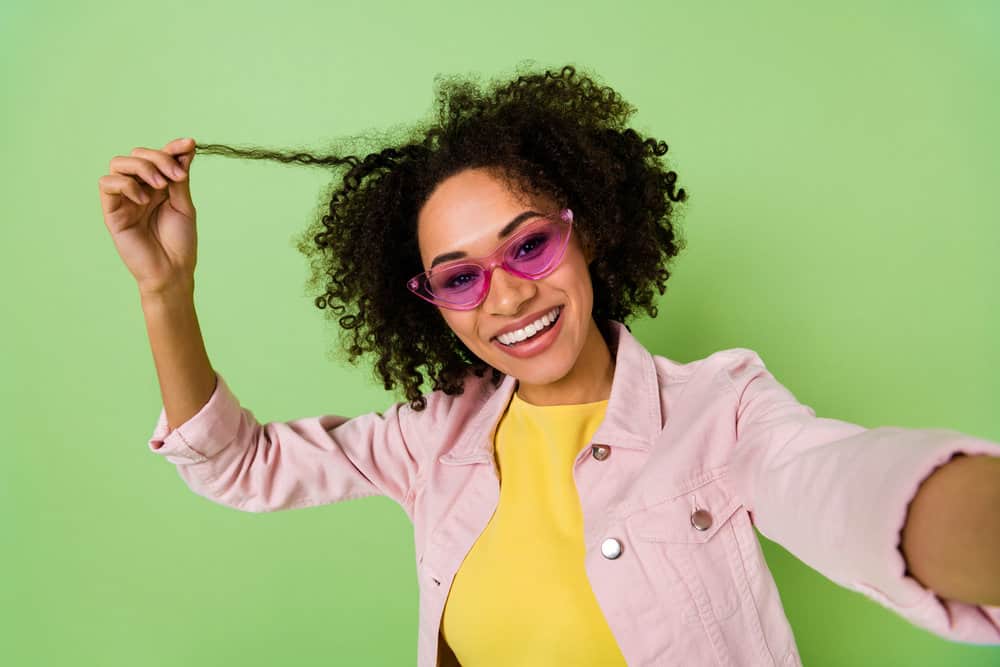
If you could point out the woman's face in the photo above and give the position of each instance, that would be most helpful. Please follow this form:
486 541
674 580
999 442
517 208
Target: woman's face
465 213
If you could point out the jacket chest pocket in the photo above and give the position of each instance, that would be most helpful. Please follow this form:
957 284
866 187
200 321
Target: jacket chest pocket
696 558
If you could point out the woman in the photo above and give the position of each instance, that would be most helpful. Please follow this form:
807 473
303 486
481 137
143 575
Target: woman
575 499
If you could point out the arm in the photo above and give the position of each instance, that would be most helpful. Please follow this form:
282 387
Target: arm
951 539
182 366
224 454
835 494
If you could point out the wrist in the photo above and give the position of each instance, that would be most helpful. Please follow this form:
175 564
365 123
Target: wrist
179 293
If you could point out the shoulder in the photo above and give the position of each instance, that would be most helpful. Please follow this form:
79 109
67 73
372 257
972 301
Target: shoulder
730 367
448 419
441 409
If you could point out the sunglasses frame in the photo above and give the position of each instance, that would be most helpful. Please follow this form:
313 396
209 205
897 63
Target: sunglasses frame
418 284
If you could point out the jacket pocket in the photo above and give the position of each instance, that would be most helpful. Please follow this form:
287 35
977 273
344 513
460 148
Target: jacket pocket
691 537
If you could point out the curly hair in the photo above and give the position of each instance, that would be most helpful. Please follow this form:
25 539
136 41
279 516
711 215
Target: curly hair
555 132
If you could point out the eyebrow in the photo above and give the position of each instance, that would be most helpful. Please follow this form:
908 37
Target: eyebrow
508 228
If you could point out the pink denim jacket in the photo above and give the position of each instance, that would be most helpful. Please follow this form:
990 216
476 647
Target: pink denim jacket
690 457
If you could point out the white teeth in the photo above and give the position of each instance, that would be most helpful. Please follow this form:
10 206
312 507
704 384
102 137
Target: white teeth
530 330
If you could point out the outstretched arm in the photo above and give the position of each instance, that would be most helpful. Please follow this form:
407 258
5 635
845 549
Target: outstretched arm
838 495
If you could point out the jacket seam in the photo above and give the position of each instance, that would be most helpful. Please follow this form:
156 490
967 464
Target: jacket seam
754 612
215 478
422 462
732 385
304 502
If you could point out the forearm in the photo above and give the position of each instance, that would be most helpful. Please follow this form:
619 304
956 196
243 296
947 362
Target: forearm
951 538
186 377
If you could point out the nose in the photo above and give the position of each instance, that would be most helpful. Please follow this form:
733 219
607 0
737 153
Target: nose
507 293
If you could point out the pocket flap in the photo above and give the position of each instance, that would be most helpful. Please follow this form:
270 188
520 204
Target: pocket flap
671 520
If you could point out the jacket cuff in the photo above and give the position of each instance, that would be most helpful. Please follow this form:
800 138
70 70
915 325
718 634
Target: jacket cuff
202 436
888 582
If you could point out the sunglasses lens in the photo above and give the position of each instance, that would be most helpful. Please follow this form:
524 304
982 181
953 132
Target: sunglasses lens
459 285
538 250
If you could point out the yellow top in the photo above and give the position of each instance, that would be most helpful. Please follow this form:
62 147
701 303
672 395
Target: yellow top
521 596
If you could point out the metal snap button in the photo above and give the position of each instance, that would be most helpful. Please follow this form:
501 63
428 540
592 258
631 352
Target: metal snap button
611 548
701 519
601 452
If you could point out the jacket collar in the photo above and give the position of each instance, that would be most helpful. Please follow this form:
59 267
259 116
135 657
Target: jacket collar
632 419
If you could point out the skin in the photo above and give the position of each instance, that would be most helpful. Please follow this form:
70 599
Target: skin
951 538
465 212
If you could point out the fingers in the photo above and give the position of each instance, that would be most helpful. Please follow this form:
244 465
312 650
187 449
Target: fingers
185 160
114 186
183 150
179 146
166 163
143 169
158 169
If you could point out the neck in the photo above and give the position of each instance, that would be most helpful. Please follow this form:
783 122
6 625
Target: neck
588 381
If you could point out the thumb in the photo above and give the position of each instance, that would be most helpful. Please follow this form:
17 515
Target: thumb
180 191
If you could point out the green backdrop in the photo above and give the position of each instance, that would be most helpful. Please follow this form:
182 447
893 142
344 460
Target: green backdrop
842 165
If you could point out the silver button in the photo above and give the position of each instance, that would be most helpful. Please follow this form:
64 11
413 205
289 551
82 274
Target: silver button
601 452
611 548
701 519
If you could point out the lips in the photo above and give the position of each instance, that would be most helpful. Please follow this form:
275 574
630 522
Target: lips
525 321
534 346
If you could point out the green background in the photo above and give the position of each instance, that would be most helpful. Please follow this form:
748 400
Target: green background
842 162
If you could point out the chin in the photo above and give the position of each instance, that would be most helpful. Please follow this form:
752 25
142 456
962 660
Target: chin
535 376
536 371
546 367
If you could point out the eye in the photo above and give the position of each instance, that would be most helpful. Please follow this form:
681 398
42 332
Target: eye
455 280
459 280
531 245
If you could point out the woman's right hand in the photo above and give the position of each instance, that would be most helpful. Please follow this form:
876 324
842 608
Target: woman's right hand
147 207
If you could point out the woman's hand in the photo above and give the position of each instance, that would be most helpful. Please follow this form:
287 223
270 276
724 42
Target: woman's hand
146 199
951 535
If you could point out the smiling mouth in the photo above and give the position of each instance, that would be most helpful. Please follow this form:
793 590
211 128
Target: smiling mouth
535 334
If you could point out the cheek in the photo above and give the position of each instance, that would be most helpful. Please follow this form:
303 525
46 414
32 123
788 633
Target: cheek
575 278
579 284
463 323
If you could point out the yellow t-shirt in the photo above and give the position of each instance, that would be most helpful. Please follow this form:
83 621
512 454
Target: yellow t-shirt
521 596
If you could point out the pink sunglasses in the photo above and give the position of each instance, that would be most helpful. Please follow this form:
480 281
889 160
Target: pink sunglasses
533 253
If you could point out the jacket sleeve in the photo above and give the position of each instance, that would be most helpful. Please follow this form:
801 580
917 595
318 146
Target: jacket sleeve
835 494
224 454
